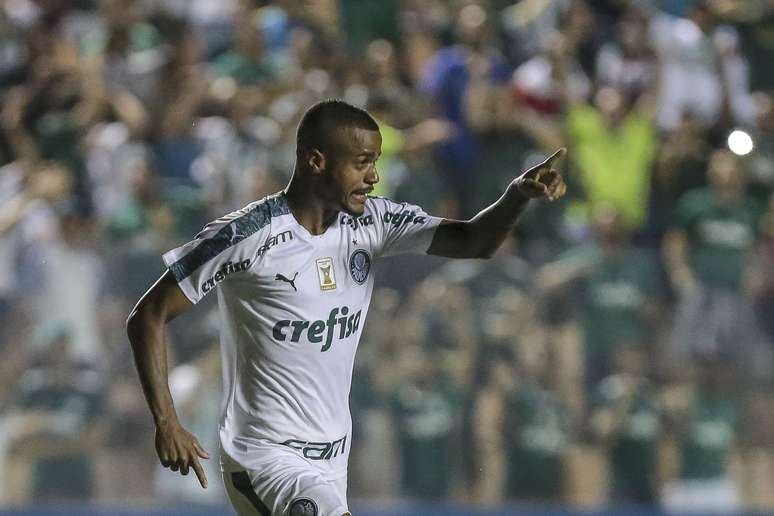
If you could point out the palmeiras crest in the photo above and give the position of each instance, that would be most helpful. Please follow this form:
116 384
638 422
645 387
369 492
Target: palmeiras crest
303 507
359 266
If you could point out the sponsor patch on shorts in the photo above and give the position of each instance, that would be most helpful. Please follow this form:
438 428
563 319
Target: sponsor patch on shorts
303 507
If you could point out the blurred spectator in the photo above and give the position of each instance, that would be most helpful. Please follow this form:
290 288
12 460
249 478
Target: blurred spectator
763 284
129 438
521 421
626 420
613 137
705 423
385 80
706 255
473 63
506 270
74 281
439 318
761 162
580 32
363 21
16 206
46 118
619 290
182 93
130 53
537 429
494 380
529 25
133 217
246 61
212 19
554 71
402 140
374 380
55 421
13 53
703 71
756 457
28 223
426 409
629 63
680 166
236 166
614 145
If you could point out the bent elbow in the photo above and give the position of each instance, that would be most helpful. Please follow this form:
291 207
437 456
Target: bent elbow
137 323
133 323
132 317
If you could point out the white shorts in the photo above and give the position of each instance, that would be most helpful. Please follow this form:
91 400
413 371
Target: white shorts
287 485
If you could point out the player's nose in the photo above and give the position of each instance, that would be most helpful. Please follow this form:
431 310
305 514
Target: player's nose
371 177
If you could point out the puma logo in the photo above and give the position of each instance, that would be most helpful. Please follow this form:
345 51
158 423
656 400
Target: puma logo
280 277
235 237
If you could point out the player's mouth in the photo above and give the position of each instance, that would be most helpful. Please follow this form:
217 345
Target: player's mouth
361 195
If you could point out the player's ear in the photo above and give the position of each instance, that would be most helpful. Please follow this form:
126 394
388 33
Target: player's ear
316 161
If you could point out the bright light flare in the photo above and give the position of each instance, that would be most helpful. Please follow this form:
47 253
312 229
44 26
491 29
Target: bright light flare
740 143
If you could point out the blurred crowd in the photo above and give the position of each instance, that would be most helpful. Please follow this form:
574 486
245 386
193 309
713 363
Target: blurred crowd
619 348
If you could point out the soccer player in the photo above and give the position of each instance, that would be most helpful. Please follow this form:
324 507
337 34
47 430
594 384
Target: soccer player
294 274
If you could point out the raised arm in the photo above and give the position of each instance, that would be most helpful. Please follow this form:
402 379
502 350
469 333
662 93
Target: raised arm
175 446
480 236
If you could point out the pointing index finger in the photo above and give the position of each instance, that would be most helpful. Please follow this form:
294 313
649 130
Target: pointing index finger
197 467
556 156
545 165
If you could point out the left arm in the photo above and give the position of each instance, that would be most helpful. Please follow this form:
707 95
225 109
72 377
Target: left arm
480 236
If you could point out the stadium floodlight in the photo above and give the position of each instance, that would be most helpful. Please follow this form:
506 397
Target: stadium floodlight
740 142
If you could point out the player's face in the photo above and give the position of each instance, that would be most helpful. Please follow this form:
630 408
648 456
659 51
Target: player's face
353 170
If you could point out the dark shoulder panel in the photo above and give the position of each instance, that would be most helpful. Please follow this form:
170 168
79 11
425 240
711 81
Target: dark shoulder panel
230 233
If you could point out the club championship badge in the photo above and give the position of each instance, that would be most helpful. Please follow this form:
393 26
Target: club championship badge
325 274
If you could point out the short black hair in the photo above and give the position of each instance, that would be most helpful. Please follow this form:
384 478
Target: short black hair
323 119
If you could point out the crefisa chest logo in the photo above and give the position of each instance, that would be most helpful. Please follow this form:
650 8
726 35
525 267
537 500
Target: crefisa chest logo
360 265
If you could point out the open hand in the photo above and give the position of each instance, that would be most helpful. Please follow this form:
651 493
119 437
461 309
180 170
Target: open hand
543 180
178 449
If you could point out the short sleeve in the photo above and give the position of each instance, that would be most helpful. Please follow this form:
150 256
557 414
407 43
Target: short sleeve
223 251
402 227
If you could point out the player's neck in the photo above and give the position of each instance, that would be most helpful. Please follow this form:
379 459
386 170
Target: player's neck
308 208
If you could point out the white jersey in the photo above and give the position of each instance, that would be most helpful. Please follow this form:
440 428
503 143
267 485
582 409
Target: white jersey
292 306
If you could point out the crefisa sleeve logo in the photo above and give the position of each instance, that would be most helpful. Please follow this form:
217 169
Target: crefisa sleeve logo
360 265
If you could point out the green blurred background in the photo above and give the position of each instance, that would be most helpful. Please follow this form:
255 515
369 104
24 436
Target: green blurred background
617 352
